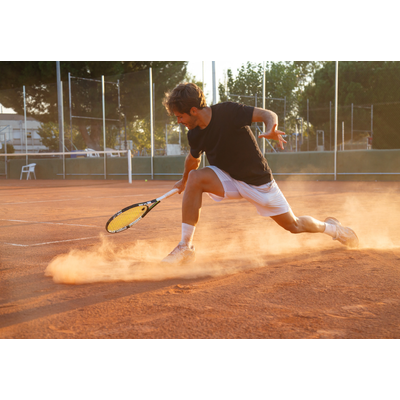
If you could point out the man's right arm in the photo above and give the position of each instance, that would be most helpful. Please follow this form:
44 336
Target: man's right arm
191 163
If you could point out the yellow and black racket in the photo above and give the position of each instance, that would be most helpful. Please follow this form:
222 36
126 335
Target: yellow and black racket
131 215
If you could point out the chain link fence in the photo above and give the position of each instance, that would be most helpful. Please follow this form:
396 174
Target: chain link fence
125 111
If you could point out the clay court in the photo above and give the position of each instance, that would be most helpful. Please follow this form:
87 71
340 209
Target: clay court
63 276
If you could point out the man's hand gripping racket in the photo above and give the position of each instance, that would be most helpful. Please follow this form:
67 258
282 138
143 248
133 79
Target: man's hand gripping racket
131 215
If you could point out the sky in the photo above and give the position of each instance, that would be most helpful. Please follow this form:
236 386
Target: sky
196 68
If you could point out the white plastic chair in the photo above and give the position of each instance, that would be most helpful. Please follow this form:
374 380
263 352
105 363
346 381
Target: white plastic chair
91 155
116 154
28 169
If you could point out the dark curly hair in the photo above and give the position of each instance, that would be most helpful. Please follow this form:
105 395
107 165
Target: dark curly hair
183 98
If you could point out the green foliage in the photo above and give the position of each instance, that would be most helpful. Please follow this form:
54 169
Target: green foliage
361 83
39 79
284 82
10 149
49 134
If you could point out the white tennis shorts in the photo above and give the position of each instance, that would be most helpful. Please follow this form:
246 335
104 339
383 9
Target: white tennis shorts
268 199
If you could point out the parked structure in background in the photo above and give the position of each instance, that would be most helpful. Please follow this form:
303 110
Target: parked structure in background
13 132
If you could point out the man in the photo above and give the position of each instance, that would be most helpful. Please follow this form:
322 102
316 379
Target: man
237 168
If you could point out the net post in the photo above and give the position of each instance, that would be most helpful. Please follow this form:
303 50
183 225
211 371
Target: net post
129 166
26 134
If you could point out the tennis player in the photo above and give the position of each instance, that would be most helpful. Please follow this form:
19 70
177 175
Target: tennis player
237 168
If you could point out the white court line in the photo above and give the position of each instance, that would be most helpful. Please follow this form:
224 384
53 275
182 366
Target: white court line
57 241
50 223
79 198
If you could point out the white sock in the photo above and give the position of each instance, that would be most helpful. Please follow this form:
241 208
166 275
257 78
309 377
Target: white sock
187 234
330 230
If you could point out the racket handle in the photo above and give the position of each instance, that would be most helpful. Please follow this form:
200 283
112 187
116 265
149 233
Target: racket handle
169 194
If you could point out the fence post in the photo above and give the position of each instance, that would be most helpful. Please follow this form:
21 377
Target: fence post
103 100
129 166
336 114
151 123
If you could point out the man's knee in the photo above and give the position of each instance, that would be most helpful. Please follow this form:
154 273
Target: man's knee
197 180
293 227
194 177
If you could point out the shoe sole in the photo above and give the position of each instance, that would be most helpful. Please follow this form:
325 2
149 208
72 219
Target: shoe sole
353 243
188 260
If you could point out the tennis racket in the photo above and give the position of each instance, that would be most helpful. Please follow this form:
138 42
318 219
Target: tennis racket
131 215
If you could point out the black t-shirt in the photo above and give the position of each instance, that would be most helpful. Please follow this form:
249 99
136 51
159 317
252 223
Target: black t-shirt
230 144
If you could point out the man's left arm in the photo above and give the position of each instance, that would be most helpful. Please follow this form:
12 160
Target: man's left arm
270 119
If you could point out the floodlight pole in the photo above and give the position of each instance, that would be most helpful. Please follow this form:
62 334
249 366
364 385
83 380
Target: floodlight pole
214 85
336 115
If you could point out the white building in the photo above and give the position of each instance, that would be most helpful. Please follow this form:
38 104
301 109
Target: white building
12 130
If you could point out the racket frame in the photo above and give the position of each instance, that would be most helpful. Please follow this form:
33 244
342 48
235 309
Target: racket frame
149 204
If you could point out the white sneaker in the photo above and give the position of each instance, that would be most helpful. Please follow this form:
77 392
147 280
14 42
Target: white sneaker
345 235
182 254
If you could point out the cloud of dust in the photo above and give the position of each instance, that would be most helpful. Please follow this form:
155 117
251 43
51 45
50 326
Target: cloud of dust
373 226
107 262
222 250
216 255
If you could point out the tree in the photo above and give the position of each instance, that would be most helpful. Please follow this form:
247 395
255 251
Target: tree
49 133
283 84
361 83
132 102
10 148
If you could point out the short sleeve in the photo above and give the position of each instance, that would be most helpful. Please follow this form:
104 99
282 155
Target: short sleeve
243 114
194 143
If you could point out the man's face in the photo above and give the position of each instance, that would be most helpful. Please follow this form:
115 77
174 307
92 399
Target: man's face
190 121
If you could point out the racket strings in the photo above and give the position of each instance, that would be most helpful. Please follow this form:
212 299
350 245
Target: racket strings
126 218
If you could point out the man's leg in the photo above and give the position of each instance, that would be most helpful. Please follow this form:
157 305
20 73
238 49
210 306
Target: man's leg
295 224
331 227
199 181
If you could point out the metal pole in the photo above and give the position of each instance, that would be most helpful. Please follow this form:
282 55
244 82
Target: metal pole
5 152
103 96
203 77
26 134
301 133
129 166
343 135
60 105
330 125
62 129
308 125
214 100
202 68
204 154
352 111
284 116
151 123
70 109
336 113
263 106
372 120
